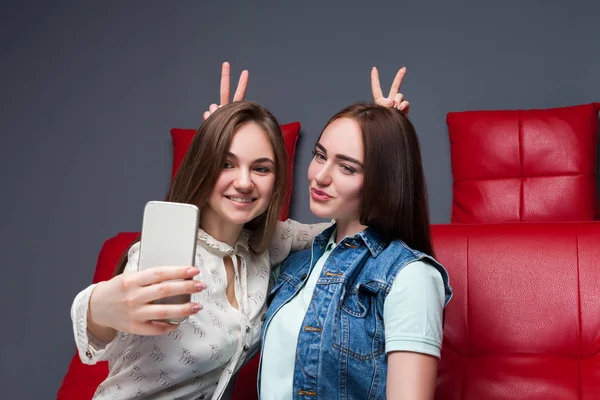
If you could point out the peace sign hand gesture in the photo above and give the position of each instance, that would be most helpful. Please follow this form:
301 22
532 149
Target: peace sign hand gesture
240 92
394 98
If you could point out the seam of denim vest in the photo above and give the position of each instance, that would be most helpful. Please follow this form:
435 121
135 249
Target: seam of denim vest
448 293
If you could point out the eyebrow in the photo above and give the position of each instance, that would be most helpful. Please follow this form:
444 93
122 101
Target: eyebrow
340 156
258 160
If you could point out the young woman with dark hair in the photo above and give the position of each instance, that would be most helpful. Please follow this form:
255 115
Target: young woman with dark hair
360 314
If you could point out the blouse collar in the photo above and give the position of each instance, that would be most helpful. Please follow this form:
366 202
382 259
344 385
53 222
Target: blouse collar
222 248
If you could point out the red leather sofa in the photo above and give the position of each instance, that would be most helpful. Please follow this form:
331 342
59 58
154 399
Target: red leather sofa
524 322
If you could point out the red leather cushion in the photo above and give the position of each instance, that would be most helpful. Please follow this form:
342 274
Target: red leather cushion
524 165
81 381
524 322
183 137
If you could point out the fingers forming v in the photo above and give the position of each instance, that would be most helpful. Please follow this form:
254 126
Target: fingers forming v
397 82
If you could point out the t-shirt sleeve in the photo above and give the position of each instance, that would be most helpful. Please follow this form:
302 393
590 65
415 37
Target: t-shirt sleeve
413 310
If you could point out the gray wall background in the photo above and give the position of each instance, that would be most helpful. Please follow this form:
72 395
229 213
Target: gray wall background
90 91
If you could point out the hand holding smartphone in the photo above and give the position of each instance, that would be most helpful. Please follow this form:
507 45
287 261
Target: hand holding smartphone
169 235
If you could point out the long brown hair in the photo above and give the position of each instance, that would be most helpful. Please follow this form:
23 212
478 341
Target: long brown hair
203 162
394 193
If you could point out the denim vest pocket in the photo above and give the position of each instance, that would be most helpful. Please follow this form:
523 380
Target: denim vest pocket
358 329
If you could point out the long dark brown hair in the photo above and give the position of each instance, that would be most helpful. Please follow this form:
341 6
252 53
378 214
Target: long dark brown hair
394 199
203 162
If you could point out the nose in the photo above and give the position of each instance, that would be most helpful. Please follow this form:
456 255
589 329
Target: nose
243 183
323 176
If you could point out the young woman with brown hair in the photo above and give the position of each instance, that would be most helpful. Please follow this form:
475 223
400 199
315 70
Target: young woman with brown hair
235 173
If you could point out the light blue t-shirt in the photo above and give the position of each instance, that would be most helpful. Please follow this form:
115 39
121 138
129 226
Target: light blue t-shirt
412 315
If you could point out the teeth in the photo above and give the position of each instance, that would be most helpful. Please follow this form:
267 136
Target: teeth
241 199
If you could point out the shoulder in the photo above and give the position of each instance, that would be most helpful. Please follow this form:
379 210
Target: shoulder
398 246
396 255
133 250
404 255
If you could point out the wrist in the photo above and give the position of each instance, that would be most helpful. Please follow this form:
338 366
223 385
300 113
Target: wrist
93 319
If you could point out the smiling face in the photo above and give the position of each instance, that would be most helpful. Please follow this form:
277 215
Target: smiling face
244 187
336 173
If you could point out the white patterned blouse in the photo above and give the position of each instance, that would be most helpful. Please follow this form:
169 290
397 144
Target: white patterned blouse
198 359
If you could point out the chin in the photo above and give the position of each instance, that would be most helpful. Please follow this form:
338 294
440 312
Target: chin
320 211
244 218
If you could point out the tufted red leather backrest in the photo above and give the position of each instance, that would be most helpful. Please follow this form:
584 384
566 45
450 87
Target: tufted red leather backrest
524 165
524 322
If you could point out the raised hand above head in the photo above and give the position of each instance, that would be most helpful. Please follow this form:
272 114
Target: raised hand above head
394 99
240 92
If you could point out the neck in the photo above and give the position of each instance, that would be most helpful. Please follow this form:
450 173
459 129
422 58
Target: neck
221 231
348 228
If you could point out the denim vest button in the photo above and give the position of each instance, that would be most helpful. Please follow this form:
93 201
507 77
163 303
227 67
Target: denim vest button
247 329
307 393
246 348
303 277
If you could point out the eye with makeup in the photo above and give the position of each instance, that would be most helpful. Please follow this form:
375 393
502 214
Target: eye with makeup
346 169
319 156
227 165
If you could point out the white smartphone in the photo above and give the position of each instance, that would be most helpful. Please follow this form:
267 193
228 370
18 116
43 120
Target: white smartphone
169 235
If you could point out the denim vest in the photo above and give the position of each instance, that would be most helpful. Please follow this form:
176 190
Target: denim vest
340 352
